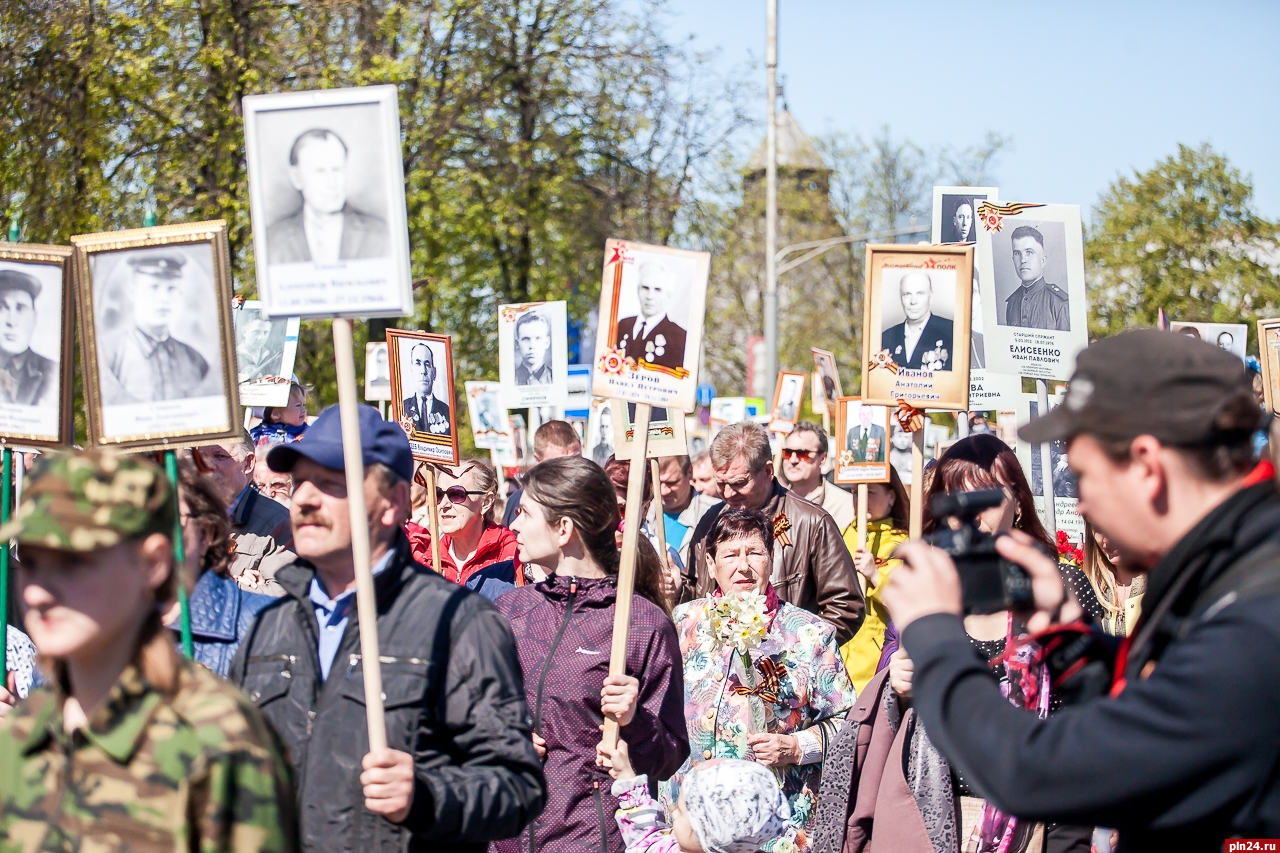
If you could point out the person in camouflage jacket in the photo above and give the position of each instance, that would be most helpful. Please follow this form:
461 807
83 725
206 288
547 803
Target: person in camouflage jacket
130 747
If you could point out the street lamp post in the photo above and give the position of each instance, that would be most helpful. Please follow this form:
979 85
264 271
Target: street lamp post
771 195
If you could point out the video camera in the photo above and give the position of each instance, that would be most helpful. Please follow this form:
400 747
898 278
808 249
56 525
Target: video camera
988 582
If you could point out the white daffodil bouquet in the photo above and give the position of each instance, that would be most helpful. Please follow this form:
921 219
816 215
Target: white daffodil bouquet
738 621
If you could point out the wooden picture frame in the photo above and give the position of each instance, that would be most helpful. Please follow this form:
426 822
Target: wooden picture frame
824 364
1269 358
849 469
934 283
36 390
164 376
786 409
427 438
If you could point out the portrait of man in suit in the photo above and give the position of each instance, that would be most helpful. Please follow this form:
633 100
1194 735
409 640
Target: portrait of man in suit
146 363
427 412
1036 304
962 221
651 336
26 378
923 341
326 228
866 439
533 346
789 399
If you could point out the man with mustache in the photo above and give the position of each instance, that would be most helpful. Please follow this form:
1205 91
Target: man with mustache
1036 304
459 769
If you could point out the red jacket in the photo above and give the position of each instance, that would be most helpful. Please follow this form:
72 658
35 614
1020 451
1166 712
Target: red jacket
497 543
420 545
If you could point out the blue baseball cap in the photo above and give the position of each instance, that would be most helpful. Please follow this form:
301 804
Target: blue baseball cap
380 441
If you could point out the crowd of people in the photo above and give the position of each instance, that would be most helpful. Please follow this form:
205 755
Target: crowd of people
861 706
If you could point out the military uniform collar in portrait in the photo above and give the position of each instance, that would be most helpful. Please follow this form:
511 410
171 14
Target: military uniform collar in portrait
1038 305
541 376
28 379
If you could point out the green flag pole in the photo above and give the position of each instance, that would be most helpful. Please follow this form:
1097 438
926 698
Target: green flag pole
6 484
179 552
15 229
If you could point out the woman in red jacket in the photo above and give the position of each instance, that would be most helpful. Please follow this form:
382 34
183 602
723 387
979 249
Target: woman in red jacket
563 628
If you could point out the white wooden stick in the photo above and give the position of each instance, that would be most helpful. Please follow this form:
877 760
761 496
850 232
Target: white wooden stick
917 483
627 565
366 603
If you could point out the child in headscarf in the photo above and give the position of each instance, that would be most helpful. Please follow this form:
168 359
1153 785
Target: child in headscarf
725 806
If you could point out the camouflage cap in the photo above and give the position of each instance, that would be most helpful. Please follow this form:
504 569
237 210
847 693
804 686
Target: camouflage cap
83 500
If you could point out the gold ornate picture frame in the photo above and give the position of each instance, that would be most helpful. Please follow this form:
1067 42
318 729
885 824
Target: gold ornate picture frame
37 335
158 339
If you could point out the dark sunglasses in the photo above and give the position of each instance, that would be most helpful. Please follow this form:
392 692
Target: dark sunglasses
455 494
802 455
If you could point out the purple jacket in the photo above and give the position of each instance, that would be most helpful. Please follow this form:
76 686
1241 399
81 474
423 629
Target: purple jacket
563 628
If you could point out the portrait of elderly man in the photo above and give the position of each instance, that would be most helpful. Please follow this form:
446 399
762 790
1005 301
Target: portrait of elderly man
255 354
26 378
1036 304
428 412
923 341
533 347
651 335
866 436
326 228
146 363
811 567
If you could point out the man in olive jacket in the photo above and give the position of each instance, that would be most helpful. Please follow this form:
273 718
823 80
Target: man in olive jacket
460 770
812 568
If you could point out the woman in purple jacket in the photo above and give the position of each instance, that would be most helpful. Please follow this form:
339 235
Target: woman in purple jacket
563 628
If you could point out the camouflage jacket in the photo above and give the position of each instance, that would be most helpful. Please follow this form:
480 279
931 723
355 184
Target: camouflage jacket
200 772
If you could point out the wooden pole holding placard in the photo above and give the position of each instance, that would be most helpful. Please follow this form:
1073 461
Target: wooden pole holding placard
659 522
627 565
917 482
433 515
862 529
366 605
1046 466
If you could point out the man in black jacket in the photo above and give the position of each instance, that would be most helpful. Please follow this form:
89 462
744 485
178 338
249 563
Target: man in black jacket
1184 752
460 769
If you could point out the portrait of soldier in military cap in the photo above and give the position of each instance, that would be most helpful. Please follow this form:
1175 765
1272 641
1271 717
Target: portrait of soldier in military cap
26 377
146 362
1036 304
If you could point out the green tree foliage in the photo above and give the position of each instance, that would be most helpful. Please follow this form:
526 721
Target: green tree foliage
1184 237
532 130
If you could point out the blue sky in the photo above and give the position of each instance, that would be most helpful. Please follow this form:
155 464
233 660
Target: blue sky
1086 90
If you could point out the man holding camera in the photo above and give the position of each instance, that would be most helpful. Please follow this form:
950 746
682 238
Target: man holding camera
1183 753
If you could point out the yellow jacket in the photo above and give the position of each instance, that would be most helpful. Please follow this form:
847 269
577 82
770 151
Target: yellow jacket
862 653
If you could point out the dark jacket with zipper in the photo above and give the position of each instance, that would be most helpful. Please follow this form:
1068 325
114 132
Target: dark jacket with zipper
1186 754
563 629
454 700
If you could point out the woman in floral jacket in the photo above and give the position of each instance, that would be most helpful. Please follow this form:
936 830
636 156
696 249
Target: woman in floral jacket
797 691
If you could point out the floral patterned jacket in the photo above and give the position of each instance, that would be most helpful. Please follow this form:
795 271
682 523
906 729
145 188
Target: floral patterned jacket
811 696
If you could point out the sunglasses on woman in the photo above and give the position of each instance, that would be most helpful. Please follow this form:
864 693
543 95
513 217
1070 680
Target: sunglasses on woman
456 494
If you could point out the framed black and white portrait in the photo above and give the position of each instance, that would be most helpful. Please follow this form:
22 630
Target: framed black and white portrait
862 442
377 372
265 353
490 425
667 435
788 398
158 335
326 197
955 213
917 311
598 445
1033 301
1232 337
652 303
533 354
422 393
824 363
35 345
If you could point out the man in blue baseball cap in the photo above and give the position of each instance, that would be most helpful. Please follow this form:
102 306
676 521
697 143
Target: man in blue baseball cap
460 769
